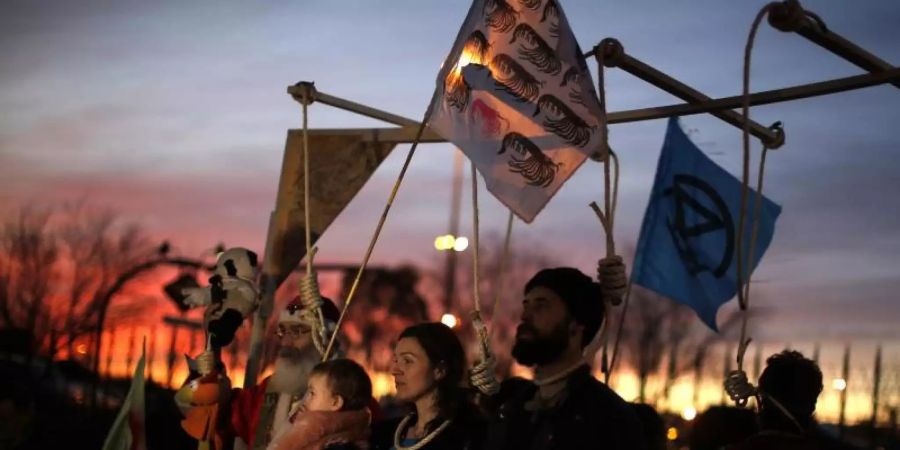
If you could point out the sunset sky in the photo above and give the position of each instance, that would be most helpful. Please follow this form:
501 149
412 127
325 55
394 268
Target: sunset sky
175 114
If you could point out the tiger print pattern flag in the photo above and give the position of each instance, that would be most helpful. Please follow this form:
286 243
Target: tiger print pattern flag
515 95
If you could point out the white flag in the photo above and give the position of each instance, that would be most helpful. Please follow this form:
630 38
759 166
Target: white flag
128 431
516 97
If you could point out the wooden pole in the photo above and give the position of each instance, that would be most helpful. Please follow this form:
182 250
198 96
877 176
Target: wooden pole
726 368
845 375
151 354
451 256
875 396
110 348
129 357
757 362
170 360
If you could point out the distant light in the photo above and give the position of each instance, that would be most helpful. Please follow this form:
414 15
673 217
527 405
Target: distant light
689 413
443 242
461 244
382 384
672 434
450 320
839 384
81 349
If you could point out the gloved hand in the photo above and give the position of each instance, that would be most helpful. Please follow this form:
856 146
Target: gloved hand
196 297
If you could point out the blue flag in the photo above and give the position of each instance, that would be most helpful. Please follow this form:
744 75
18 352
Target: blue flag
686 250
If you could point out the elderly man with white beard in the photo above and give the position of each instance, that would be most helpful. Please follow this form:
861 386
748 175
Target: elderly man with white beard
258 414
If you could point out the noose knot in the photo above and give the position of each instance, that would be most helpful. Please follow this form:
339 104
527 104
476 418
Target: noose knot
613 279
483 375
739 388
311 299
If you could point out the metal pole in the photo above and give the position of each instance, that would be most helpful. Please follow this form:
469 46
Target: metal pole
760 98
615 56
368 111
406 134
789 16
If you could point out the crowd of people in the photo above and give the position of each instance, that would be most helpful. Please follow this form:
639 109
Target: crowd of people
308 404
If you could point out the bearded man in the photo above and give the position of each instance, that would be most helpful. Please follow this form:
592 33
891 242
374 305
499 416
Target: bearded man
564 407
259 413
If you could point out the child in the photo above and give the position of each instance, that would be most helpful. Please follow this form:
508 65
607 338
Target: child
334 413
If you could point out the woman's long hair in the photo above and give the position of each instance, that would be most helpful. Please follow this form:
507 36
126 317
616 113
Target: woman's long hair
444 351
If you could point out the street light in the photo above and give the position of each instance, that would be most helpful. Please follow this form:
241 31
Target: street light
839 384
460 244
450 320
449 242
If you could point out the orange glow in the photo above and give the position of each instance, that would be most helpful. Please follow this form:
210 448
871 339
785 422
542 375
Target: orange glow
382 384
468 56
672 433
81 349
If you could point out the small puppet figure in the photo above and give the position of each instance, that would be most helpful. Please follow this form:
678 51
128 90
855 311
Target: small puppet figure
231 296
202 398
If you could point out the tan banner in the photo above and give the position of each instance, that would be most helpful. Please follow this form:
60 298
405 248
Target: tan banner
339 167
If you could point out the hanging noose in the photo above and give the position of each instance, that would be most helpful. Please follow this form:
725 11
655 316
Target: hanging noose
482 376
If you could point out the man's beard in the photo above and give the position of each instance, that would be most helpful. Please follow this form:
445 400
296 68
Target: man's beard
292 368
540 349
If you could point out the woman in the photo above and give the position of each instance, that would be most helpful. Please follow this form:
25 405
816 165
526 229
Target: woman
428 368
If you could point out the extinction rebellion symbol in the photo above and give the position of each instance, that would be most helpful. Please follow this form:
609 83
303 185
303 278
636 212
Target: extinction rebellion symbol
705 220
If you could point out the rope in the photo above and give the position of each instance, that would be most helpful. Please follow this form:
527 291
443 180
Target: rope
559 376
377 233
482 376
737 385
615 355
501 272
611 269
311 313
311 296
206 361
476 296
401 428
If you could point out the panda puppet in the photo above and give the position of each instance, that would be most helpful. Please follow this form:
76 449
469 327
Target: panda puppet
230 297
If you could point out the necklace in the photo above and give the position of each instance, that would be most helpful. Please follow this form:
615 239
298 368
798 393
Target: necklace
423 442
